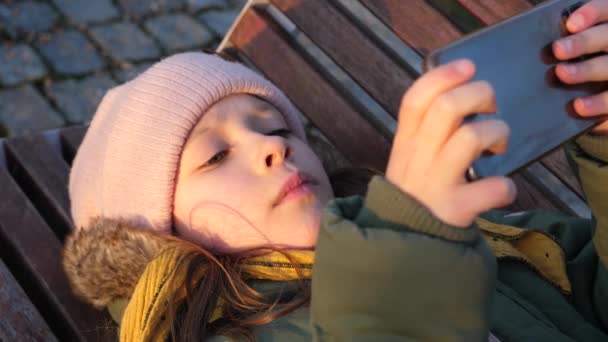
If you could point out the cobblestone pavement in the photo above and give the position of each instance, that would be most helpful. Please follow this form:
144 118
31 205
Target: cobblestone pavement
58 57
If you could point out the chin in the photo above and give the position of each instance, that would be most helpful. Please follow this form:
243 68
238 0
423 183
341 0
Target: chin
312 220
310 231
303 233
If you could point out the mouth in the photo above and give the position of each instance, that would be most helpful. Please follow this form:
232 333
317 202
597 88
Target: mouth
298 185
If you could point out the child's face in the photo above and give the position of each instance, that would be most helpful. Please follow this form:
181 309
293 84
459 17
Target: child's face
230 175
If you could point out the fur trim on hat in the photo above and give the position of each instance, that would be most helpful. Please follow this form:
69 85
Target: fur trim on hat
105 261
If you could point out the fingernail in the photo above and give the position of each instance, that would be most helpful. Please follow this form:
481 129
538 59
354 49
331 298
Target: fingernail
570 69
463 67
576 21
565 45
588 102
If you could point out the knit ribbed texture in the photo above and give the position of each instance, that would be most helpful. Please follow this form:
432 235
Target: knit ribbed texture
127 163
161 280
392 205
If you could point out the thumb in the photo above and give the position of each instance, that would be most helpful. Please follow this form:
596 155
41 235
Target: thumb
488 193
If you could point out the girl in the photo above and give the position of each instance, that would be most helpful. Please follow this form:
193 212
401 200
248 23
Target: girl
200 209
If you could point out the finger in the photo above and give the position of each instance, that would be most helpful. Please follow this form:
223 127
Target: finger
592 105
421 94
468 143
594 69
485 194
593 12
447 113
594 39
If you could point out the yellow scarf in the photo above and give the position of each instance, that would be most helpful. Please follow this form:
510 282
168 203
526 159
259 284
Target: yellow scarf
168 269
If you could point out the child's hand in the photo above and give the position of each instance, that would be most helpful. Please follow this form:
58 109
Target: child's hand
586 39
432 150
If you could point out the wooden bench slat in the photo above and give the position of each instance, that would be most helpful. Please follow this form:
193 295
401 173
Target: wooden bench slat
554 189
528 197
464 20
492 11
310 92
379 75
368 108
43 174
415 22
385 37
71 137
33 248
557 163
20 319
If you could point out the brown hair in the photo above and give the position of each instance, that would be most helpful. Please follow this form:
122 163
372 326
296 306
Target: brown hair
223 284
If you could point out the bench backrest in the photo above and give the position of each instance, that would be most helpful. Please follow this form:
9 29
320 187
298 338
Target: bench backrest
36 300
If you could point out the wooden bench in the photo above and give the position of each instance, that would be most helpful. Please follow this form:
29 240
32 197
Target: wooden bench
35 298
344 63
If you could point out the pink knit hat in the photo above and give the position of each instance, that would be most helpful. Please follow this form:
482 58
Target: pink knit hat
126 165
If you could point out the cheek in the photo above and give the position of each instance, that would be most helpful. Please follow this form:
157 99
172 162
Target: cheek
220 227
221 213
296 227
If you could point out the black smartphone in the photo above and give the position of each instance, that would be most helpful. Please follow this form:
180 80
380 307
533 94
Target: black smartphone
516 58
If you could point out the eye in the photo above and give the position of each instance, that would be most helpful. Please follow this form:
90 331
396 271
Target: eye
284 132
216 159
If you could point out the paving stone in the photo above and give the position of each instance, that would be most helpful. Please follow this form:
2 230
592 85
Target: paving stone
23 110
125 42
198 5
87 11
140 8
178 32
5 13
219 21
78 99
70 53
23 17
19 64
129 74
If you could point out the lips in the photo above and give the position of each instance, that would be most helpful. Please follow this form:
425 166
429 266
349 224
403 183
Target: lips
293 182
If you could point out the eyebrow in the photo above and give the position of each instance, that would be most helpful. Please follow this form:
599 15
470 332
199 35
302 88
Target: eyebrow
195 135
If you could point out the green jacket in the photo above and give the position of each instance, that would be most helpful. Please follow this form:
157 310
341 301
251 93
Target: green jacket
386 269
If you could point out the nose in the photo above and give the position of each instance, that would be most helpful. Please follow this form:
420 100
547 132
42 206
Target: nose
274 151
